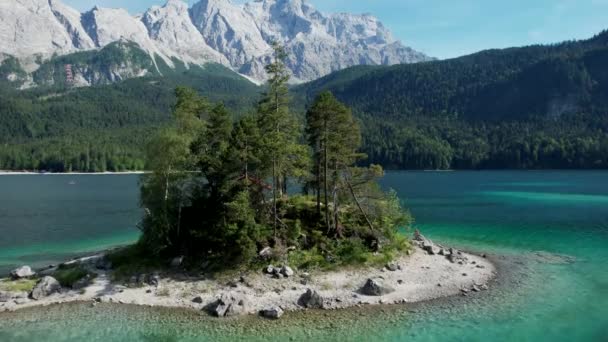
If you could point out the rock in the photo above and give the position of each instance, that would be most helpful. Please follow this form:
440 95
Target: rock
480 266
6 297
198 300
287 271
22 272
177 262
228 305
266 253
392 267
375 287
484 256
475 289
464 275
484 287
21 301
232 284
273 312
399 281
45 287
311 300
278 275
269 269
154 280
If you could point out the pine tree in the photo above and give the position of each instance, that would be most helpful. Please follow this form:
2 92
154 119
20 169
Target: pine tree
334 137
279 131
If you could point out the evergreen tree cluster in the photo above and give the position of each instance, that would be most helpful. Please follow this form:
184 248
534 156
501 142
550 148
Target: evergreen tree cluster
222 189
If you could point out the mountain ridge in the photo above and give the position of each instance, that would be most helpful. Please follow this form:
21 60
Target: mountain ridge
211 31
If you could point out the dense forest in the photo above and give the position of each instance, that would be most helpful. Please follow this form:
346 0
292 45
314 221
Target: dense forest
543 106
219 190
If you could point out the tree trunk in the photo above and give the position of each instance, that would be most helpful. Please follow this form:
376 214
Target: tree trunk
274 195
352 191
318 185
326 188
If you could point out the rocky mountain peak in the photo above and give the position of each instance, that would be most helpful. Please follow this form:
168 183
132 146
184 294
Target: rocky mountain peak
237 36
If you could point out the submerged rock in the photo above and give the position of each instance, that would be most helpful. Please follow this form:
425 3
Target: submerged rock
273 312
45 287
375 287
311 300
22 272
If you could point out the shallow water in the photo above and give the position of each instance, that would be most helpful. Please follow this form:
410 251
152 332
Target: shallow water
510 214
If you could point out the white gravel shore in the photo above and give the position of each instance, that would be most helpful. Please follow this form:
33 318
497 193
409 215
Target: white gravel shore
419 277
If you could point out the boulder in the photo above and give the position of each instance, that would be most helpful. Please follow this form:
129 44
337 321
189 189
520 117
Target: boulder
154 280
266 253
177 261
228 305
426 244
269 269
45 287
375 287
198 300
311 300
22 272
392 267
287 271
273 312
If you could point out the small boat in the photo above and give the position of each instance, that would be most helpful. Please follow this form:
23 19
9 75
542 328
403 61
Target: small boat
72 182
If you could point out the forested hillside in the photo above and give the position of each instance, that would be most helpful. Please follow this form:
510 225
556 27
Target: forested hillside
102 128
531 107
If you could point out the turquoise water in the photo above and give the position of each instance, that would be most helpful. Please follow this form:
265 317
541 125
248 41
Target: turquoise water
511 215
45 219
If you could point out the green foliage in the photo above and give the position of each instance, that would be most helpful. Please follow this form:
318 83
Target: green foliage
104 127
528 107
21 285
207 197
69 275
135 259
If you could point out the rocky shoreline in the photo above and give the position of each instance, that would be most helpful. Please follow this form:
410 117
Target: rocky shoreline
430 272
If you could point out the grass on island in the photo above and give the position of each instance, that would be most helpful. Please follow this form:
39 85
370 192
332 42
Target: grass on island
67 276
134 260
21 285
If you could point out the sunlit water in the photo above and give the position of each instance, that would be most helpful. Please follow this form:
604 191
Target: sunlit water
511 215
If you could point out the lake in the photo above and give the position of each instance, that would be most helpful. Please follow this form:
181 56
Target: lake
526 220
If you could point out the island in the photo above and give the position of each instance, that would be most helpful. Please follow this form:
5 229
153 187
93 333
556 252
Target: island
261 215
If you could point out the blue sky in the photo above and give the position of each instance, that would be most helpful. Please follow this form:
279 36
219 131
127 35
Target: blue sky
450 28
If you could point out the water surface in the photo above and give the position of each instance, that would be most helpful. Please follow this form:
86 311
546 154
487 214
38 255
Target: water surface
512 214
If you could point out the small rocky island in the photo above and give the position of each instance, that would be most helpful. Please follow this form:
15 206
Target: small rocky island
263 215
430 271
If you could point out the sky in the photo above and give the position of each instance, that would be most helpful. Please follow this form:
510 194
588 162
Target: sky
451 28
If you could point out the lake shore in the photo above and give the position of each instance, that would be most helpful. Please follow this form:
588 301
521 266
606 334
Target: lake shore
415 278
32 173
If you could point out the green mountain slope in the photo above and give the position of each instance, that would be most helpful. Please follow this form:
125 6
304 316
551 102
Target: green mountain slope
531 107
